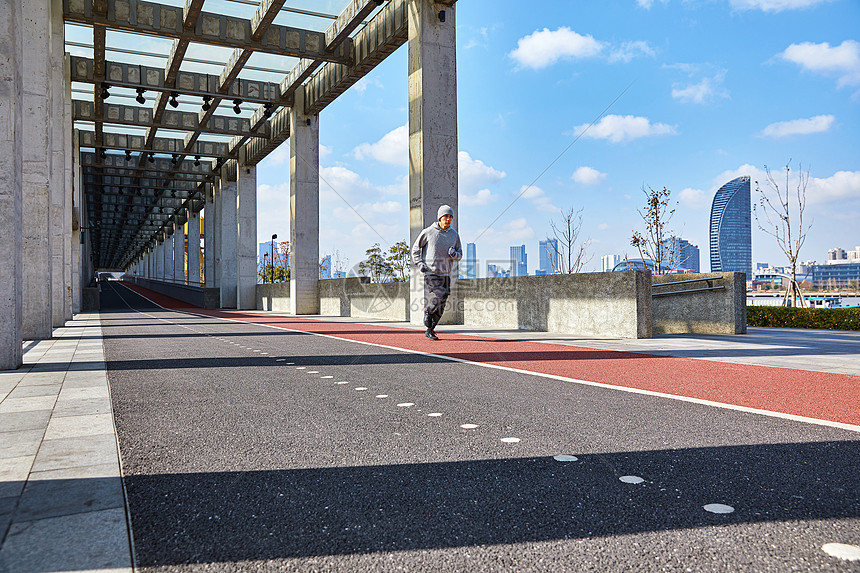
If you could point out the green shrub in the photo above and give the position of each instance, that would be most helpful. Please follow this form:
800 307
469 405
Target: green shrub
787 317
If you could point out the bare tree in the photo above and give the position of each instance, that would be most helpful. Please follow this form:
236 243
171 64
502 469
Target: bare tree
570 254
339 263
779 217
656 216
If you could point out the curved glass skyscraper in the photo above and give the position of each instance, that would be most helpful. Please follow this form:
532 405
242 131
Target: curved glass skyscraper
731 230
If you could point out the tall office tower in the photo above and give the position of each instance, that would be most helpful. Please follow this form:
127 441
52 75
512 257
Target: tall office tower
549 256
519 262
471 261
679 253
731 228
608 262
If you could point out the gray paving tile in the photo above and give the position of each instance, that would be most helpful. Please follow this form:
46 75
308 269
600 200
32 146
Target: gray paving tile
82 406
22 443
10 491
36 390
83 393
75 426
75 452
55 497
109 470
95 540
27 404
41 378
18 421
16 469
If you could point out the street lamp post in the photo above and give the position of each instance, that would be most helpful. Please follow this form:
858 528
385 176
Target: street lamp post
275 236
265 264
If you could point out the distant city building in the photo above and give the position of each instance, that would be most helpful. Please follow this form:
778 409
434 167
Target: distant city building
471 271
325 267
680 254
839 256
519 261
548 257
541 273
731 228
846 275
608 262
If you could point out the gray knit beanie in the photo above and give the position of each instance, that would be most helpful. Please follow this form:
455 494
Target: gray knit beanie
444 210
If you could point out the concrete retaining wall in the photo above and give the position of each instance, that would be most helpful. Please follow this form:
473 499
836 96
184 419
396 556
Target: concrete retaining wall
361 299
196 295
588 304
722 311
275 297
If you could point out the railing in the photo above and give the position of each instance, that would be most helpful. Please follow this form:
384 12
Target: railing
709 280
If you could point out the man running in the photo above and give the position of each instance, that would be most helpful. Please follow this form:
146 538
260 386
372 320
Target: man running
434 253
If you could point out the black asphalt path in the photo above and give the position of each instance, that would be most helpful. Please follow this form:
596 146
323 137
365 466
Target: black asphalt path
235 459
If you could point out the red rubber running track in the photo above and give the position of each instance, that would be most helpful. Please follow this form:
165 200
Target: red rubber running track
820 395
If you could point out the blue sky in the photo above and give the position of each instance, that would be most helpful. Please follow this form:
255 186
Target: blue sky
717 89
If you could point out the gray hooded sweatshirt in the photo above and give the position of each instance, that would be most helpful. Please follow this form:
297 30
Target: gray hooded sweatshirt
431 248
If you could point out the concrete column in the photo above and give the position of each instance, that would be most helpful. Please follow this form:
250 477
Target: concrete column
209 227
304 209
57 174
432 133
68 185
179 253
228 235
36 138
246 271
11 193
75 206
193 246
167 253
158 261
216 234
148 268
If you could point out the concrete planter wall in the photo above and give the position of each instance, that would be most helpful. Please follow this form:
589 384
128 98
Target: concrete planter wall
722 311
361 299
195 295
275 296
588 304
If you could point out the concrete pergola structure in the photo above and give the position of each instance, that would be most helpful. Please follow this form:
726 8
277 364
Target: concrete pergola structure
81 192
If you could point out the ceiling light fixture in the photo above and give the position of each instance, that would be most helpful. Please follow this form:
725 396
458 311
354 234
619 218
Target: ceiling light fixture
105 92
140 99
206 104
196 161
236 109
173 102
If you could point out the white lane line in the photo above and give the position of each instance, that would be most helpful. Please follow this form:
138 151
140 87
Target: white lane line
300 367
326 377
312 372
565 458
510 440
434 414
711 403
718 508
405 405
280 359
469 426
382 395
631 479
342 382
361 388
842 551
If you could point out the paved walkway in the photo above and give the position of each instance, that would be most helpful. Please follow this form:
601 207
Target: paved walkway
61 499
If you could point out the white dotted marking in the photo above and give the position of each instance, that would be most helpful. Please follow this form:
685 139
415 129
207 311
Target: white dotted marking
405 405
290 363
342 382
718 508
280 359
300 367
361 388
510 440
326 377
631 479
842 551
264 354
382 395
256 351
469 426
434 414
565 458
312 372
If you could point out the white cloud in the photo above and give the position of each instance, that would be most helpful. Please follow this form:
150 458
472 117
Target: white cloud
623 128
693 198
518 229
482 197
648 3
392 148
816 124
603 227
588 175
842 61
630 50
773 5
545 47
325 151
702 92
539 198
474 173
840 186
